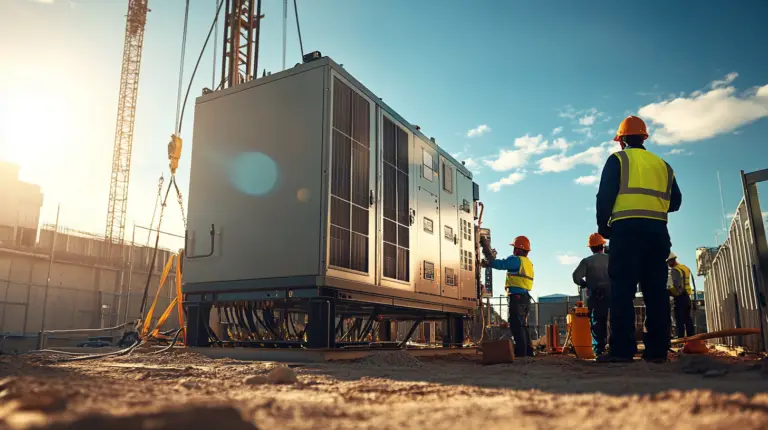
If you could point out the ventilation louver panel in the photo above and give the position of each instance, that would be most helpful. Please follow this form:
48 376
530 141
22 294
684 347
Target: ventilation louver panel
397 215
350 179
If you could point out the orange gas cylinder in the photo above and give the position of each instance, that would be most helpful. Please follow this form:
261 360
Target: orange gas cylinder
580 330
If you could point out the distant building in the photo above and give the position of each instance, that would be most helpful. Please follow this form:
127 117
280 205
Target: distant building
20 204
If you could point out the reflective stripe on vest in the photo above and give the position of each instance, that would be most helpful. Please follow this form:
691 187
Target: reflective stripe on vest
685 273
645 188
523 278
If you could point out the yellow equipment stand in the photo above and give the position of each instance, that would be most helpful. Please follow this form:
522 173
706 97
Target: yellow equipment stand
580 330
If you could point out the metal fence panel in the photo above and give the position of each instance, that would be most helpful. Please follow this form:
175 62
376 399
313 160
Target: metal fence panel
729 287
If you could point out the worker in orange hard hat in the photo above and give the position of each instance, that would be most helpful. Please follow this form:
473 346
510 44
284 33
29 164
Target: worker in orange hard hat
592 274
637 191
518 285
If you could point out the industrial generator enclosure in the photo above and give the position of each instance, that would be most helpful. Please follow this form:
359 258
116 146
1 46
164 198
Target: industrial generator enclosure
310 180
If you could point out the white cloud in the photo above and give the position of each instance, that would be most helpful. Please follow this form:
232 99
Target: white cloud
729 78
568 260
511 179
568 112
594 156
679 151
471 164
587 180
557 131
479 131
525 147
560 144
588 120
586 131
703 115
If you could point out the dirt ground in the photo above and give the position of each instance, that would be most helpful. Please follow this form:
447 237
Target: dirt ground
390 390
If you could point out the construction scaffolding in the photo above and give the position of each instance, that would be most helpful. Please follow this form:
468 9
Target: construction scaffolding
735 272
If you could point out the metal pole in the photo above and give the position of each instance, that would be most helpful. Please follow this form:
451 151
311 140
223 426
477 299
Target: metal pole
256 42
215 42
50 266
130 274
285 28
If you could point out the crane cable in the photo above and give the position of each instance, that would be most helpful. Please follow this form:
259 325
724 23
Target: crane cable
298 28
180 108
177 123
200 57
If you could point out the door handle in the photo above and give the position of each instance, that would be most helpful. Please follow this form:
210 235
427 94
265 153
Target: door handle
371 200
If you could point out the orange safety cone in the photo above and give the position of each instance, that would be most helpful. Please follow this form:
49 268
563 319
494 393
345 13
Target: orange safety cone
695 347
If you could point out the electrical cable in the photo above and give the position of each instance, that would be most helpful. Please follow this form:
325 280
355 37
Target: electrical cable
298 28
200 57
108 354
181 66
173 343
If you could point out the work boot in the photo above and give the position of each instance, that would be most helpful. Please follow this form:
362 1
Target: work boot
608 358
655 359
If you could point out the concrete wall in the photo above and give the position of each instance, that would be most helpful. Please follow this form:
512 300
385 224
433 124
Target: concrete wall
79 295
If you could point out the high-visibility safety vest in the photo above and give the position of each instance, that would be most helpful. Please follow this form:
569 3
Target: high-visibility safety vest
523 278
645 188
685 274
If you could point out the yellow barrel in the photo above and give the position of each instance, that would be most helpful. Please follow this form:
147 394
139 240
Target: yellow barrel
581 332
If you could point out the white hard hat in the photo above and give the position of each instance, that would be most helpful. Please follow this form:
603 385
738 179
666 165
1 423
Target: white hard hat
672 256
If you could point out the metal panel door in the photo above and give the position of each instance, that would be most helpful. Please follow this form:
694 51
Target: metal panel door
352 157
428 243
449 242
397 213
467 282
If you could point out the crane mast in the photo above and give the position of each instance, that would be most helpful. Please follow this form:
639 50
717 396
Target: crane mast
241 42
126 114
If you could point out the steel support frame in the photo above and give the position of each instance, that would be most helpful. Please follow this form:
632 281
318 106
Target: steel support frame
322 306
760 244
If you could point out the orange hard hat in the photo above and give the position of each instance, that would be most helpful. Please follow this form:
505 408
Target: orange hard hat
595 239
631 125
522 242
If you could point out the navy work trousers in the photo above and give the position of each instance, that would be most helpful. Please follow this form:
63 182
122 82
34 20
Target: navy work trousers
639 256
598 303
519 305
683 319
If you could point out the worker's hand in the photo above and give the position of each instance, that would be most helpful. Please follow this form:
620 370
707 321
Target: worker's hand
605 232
483 263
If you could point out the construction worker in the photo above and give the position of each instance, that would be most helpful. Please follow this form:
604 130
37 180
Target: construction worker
637 191
518 285
592 274
679 287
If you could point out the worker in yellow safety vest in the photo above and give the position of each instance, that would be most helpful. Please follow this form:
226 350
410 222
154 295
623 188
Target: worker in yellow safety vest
637 191
679 287
518 285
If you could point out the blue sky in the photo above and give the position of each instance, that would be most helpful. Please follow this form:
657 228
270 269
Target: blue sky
542 84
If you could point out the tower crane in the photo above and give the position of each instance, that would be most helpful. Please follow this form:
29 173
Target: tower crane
126 114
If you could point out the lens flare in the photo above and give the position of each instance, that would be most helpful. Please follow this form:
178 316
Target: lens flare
254 173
